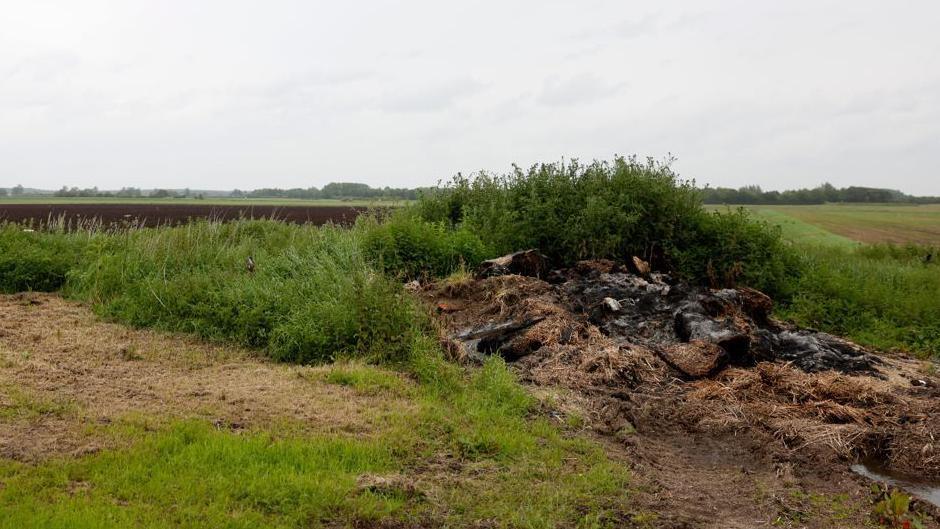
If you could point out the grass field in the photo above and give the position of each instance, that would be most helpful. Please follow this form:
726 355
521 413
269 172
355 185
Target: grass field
868 223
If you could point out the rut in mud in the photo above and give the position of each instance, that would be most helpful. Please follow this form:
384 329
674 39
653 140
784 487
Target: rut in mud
724 410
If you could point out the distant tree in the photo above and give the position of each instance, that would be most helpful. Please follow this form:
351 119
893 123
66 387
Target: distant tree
161 193
17 191
129 192
818 195
3 192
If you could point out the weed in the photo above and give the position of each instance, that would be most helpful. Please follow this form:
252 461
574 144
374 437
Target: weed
893 509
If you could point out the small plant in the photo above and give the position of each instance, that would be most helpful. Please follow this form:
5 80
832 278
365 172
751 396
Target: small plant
893 509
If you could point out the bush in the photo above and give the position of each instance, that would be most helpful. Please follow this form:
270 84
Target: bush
32 261
733 248
406 246
616 210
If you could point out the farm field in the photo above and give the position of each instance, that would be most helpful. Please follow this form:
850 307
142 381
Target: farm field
224 201
81 213
867 223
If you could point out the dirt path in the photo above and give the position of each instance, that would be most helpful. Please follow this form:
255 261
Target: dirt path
63 372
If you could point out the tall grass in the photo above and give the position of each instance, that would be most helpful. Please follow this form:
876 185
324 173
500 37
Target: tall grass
313 294
883 296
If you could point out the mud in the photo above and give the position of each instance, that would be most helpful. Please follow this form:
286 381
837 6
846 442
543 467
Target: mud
726 413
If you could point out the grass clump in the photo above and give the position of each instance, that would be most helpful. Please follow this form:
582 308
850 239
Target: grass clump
405 245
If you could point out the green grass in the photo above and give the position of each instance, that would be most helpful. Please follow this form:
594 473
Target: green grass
867 223
316 295
508 469
879 296
211 201
794 229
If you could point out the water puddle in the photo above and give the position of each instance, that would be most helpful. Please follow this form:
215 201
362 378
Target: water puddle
920 488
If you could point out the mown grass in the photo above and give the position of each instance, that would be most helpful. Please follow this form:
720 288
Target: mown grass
793 229
870 223
467 448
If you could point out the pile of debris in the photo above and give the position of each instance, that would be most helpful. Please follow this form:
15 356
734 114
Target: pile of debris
644 350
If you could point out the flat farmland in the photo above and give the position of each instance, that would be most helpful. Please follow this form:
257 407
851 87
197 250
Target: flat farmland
170 213
867 223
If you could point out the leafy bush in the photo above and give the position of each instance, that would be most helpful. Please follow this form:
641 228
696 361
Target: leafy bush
405 245
615 210
34 261
733 248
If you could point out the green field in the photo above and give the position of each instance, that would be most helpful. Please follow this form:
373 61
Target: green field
868 223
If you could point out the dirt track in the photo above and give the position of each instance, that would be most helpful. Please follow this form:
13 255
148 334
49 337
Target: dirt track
172 214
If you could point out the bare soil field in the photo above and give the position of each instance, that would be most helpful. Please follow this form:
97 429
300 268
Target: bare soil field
149 215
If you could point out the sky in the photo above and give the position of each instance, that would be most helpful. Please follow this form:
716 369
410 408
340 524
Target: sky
222 94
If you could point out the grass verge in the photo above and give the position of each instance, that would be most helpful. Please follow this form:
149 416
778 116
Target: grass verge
467 451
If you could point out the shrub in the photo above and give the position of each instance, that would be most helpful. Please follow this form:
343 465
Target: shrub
32 261
614 210
404 245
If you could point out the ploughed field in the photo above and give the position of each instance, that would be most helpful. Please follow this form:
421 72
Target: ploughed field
149 215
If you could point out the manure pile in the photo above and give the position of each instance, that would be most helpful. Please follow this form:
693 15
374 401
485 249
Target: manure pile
651 361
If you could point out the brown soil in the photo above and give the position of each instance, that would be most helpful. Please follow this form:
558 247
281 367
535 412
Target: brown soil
150 215
63 372
748 446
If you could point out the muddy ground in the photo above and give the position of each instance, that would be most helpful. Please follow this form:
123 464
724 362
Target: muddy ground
730 418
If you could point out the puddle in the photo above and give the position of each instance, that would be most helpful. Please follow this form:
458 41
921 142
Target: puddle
922 489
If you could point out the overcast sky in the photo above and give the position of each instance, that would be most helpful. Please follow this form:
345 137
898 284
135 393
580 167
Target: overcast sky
229 93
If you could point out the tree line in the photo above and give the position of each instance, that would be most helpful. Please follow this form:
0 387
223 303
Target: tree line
333 190
746 195
818 195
